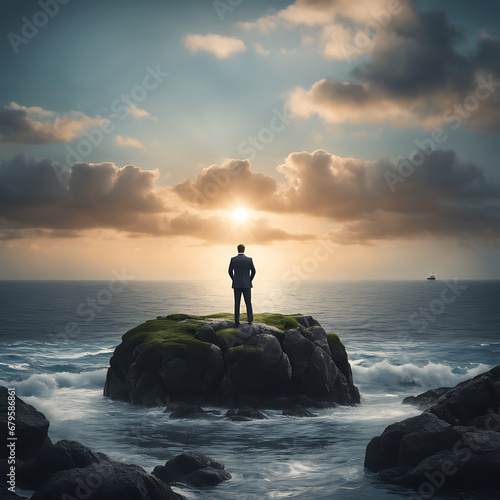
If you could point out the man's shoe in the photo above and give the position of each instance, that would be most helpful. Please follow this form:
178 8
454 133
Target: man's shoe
237 323
249 322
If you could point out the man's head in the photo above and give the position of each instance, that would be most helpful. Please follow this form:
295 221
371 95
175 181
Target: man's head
241 248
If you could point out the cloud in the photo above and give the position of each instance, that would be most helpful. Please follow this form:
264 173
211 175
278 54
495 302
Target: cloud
129 142
227 186
34 204
443 197
224 231
89 196
220 46
335 27
260 50
416 77
320 13
19 126
136 112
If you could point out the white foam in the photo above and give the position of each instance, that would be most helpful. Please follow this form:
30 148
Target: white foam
432 375
44 384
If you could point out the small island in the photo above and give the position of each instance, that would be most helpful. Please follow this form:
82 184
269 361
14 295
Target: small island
277 361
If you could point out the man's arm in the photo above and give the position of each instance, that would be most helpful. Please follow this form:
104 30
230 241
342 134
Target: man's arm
252 269
231 269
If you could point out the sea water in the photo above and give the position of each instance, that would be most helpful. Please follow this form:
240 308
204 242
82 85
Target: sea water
402 338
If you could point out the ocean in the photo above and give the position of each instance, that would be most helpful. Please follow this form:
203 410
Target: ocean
402 338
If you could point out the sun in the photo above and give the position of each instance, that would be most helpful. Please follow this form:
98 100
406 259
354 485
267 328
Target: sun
240 215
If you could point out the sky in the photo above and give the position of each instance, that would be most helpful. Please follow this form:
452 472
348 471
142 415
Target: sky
335 139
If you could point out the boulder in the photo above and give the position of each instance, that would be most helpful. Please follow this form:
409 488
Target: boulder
181 409
454 444
53 458
211 360
426 399
192 467
244 414
297 411
259 366
31 426
105 480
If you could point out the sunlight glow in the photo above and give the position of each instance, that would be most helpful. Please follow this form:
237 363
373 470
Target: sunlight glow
241 214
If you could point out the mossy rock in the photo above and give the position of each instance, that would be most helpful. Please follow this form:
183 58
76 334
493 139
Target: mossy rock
334 341
203 358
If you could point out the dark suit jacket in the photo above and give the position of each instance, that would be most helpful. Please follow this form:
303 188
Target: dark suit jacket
242 271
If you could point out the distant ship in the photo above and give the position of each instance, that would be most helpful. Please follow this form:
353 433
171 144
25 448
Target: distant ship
431 277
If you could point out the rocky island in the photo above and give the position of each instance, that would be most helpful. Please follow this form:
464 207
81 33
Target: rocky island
277 361
454 445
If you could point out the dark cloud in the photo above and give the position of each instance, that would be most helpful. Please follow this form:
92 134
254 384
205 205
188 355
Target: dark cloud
418 55
226 186
33 203
417 73
442 196
433 194
19 126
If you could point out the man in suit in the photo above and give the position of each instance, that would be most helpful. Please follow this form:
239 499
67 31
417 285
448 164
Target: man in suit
242 272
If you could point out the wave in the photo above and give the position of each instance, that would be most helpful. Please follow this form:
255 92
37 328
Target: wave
44 384
430 376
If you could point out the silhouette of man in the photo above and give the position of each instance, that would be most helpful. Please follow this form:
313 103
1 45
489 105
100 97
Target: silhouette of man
242 272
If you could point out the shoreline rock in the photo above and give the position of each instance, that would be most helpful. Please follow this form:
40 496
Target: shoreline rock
68 469
211 360
194 468
453 445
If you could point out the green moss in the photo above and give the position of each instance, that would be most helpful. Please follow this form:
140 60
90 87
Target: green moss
165 334
278 320
245 348
182 317
227 332
334 341
221 316
176 331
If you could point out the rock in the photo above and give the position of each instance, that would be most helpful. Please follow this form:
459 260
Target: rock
426 399
53 458
105 480
31 426
192 467
69 469
211 360
297 411
467 400
187 410
115 387
243 414
259 367
384 451
454 444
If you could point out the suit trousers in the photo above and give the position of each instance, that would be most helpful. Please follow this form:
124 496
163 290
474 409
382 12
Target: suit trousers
247 295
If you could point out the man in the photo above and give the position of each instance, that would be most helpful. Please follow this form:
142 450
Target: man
242 271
